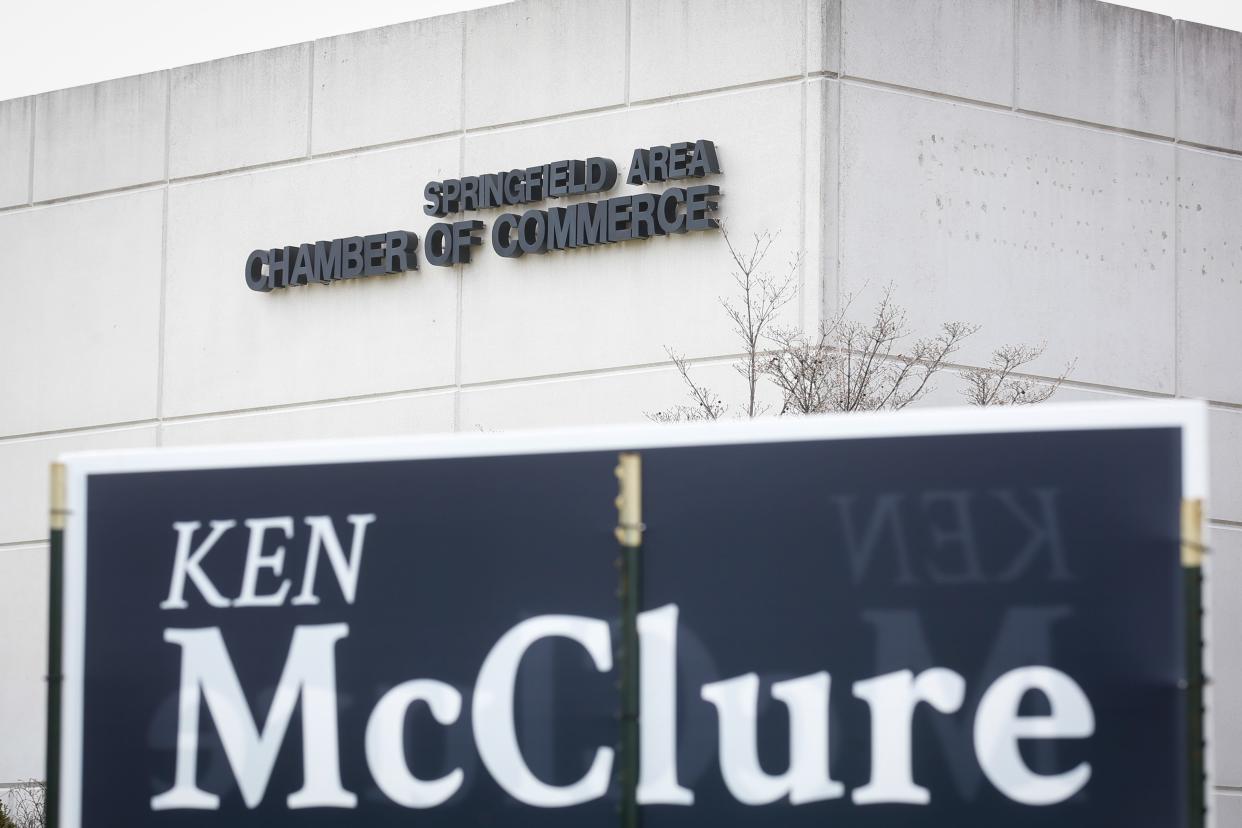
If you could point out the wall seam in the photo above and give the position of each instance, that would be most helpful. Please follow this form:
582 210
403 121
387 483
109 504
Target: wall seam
805 164
79 198
1220 152
806 38
461 295
628 53
1013 100
163 293
1052 117
310 95
677 97
9 546
460 270
34 113
30 436
168 126
825 312
310 405
829 184
1177 219
823 40
277 408
159 363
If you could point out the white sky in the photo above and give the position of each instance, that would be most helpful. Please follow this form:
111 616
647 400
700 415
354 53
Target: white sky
53 44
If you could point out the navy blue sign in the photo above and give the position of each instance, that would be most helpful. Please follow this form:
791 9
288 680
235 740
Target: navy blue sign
922 630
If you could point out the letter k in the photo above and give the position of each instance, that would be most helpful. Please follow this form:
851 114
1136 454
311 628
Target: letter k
188 564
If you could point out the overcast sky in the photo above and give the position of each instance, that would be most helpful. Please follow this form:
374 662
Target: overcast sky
52 44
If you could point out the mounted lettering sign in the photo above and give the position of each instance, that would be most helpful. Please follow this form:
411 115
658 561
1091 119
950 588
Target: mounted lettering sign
641 215
940 618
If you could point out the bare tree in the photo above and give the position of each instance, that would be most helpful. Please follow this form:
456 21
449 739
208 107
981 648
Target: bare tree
859 366
706 404
999 383
763 296
845 365
27 805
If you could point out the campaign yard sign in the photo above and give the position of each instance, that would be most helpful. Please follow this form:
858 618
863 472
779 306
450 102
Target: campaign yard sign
937 618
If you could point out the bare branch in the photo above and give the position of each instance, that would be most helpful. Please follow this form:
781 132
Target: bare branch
680 414
1000 383
707 404
860 366
762 298
846 364
27 805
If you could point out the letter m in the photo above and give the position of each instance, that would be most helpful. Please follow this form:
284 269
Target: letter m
207 674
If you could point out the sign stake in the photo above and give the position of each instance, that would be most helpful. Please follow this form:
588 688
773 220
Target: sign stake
57 515
629 533
1192 585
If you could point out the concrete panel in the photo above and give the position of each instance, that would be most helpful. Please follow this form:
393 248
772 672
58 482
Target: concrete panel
1225 434
1225 618
15 129
1209 275
1037 231
100 137
1096 62
957 47
230 348
422 414
1209 98
680 46
621 397
535 58
240 111
23 654
620 305
1228 805
387 84
23 474
84 319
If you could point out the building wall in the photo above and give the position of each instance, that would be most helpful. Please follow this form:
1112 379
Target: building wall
1056 170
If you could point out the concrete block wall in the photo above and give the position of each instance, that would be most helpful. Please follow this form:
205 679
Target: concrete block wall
1056 170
